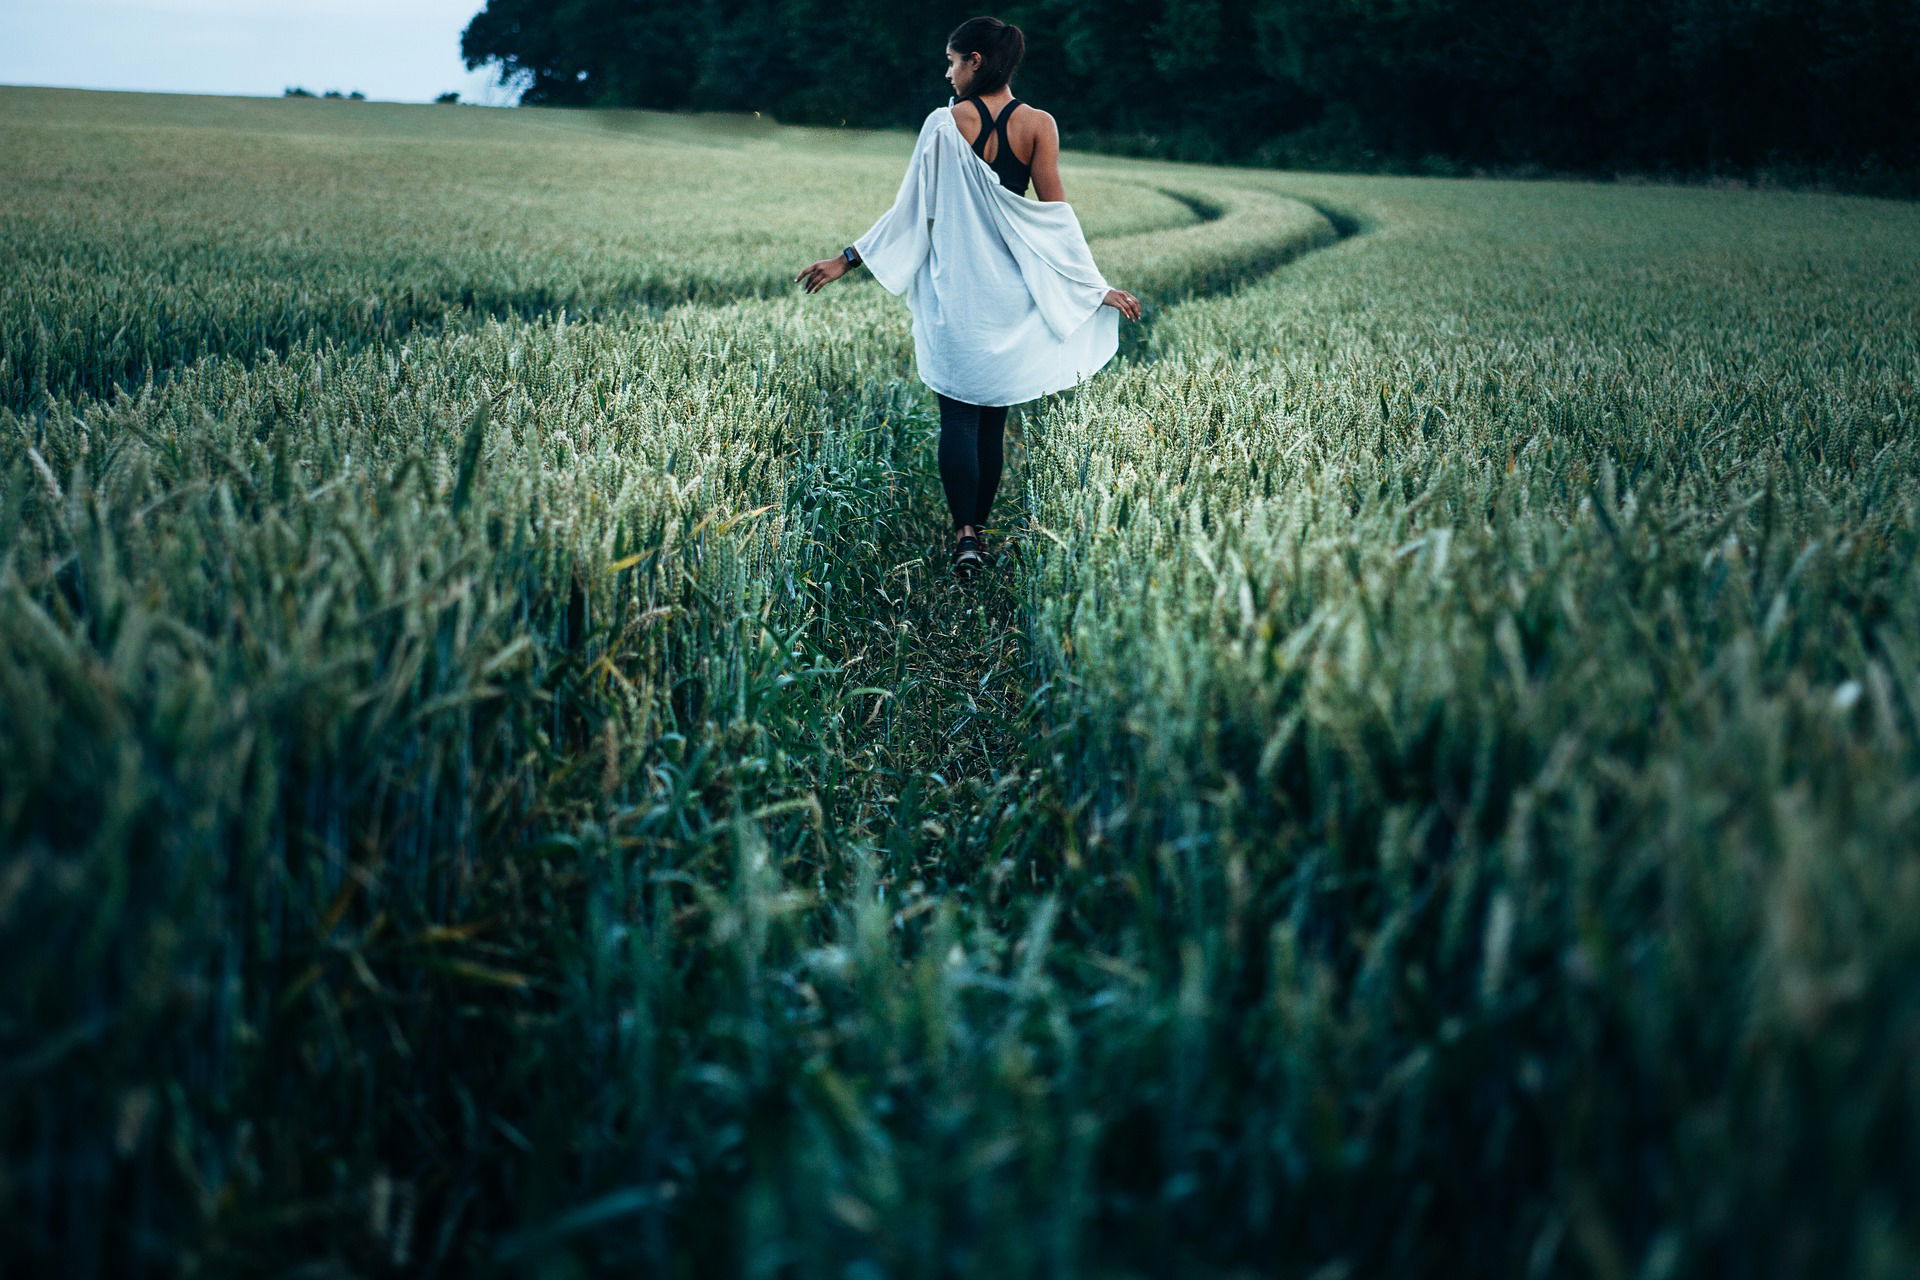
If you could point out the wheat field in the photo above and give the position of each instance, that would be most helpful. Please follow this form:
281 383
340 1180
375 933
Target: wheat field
496 776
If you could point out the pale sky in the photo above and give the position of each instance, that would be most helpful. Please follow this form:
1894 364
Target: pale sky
390 50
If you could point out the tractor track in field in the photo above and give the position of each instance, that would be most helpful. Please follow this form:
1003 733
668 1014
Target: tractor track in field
949 751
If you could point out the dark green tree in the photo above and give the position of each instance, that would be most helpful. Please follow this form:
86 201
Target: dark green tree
1800 86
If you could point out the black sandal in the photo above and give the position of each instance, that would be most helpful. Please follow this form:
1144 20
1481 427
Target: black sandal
966 555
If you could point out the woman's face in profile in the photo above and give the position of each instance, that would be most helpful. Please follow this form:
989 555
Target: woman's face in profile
960 69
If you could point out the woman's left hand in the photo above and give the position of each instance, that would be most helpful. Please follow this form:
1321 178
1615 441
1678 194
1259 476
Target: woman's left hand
822 273
1123 302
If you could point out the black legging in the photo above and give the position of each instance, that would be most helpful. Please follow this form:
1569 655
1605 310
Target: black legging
972 447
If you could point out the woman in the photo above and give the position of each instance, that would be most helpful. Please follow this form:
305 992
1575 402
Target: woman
1007 303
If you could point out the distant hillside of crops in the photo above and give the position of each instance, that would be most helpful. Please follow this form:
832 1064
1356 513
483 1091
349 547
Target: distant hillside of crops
496 775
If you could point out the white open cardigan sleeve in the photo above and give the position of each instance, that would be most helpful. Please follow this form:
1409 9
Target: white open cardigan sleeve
1005 295
894 247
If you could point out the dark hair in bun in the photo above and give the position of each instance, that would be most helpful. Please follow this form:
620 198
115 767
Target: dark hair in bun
1000 46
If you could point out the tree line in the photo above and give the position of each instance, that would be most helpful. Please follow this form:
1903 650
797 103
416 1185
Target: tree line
1797 89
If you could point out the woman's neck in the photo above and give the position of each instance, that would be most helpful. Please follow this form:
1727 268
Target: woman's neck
996 98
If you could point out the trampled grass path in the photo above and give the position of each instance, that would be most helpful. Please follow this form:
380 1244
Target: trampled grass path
950 769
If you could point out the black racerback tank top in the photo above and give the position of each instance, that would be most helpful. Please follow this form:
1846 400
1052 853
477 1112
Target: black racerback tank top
1013 175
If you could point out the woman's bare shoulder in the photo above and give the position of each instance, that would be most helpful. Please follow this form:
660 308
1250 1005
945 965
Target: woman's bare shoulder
1042 122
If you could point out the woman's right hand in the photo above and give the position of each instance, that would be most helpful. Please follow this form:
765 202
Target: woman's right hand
819 275
1123 302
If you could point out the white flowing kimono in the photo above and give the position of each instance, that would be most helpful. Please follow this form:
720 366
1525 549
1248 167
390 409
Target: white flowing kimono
1005 297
